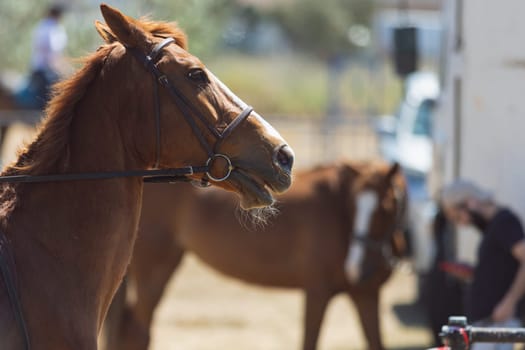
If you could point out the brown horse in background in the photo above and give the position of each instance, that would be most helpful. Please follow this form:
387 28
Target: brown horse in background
335 233
67 244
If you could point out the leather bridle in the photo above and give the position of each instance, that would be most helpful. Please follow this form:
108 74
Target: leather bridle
154 175
187 109
160 175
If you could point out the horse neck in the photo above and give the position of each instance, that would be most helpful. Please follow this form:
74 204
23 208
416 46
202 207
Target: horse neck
79 235
169 204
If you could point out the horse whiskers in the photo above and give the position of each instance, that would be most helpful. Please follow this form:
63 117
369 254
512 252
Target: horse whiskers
254 219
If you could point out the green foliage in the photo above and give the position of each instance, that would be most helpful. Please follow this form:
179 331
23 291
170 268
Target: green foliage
296 85
321 27
17 19
275 85
203 21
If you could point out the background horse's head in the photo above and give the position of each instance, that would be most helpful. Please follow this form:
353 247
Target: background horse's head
172 93
380 200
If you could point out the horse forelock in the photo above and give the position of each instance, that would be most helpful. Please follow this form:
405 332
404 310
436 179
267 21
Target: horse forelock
164 30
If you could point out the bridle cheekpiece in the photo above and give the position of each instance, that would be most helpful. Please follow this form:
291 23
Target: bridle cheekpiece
187 109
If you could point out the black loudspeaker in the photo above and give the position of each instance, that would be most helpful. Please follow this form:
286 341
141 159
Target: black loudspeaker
406 55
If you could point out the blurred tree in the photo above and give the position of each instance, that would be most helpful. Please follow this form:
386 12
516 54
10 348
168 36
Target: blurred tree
202 20
323 27
18 19
326 29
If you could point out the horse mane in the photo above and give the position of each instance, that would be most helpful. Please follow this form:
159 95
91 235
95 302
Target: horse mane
49 149
164 30
52 141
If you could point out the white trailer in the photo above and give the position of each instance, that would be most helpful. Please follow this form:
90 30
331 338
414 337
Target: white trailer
479 128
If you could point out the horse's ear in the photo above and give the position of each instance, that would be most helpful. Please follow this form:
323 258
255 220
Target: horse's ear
347 175
348 172
104 31
123 27
394 169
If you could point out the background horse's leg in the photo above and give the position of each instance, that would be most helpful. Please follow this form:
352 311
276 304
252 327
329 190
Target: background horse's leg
150 272
316 300
367 304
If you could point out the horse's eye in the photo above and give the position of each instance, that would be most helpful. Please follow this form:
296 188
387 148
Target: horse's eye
198 75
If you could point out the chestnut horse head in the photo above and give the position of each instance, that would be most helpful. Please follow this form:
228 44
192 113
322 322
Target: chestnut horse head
380 196
140 102
185 115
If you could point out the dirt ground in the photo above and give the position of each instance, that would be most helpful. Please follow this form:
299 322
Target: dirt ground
203 310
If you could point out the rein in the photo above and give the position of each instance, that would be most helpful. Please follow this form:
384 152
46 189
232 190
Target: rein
170 175
154 175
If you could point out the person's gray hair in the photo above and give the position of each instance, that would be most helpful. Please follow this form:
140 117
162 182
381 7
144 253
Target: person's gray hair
459 191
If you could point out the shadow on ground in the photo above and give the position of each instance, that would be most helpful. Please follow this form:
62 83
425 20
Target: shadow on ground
410 315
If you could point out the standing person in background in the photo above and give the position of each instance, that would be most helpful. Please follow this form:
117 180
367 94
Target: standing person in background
498 282
47 60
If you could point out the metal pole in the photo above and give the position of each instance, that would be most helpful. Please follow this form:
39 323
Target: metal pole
458 335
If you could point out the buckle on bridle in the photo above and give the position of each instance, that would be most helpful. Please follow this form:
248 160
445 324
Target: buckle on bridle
228 173
163 79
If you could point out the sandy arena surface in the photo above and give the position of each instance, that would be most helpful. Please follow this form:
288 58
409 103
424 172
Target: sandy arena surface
203 310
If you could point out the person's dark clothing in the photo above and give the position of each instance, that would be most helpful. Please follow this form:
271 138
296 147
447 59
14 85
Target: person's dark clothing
497 267
37 92
442 295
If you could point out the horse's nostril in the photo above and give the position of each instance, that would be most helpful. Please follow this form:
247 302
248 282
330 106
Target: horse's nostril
284 157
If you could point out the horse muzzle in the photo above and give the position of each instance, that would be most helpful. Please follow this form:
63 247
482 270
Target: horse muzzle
283 159
255 186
